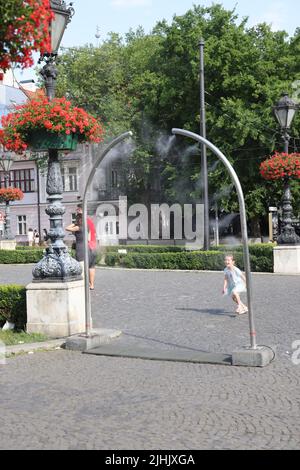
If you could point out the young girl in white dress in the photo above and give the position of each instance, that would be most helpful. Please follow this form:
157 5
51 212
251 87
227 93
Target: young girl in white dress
234 284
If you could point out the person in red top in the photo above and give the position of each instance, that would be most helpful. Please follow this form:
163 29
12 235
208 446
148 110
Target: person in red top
92 243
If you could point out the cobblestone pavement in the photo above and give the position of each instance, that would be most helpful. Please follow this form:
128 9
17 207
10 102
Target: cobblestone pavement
68 400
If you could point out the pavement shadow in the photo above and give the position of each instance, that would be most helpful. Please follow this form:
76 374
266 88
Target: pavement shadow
210 311
158 341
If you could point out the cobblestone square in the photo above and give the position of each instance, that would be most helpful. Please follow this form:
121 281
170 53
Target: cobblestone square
68 400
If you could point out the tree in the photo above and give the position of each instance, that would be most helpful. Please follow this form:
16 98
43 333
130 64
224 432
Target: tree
150 83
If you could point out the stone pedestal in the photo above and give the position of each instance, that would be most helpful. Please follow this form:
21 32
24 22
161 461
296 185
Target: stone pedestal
287 259
8 244
259 357
56 309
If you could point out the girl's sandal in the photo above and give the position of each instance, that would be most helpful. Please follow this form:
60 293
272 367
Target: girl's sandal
242 310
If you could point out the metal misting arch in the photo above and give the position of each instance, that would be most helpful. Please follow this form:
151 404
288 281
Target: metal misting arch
240 194
113 143
243 219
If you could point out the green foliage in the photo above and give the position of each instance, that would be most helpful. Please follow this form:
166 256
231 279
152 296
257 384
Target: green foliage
13 305
20 256
11 337
24 255
150 83
261 258
30 248
111 259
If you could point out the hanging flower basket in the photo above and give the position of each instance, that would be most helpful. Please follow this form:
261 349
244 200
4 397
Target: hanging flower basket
42 124
41 140
11 194
24 28
281 166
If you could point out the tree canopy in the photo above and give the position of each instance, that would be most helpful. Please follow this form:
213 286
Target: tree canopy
150 83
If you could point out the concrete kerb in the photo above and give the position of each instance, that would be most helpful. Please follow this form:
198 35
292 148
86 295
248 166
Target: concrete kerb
96 338
31 347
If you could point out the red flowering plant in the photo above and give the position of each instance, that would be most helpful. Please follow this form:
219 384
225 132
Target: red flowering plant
11 194
281 165
24 28
55 116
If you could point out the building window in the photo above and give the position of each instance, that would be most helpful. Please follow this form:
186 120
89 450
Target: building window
22 229
114 179
22 179
73 179
69 178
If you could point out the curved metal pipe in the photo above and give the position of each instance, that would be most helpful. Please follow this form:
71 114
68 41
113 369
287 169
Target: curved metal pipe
243 218
88 316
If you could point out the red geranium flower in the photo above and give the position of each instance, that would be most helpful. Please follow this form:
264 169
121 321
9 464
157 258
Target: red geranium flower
55 116
281 165
24 28
11 194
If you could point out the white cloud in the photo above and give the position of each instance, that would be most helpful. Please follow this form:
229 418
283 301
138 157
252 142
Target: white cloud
130 3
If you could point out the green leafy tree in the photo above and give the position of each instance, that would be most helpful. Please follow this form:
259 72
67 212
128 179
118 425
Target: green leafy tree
150 83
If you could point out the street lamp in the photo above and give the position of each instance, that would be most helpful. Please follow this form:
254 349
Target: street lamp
285 111
57 264
203 148
5 165
62 16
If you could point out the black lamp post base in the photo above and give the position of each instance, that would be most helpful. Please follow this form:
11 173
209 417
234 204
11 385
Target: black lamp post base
288 237
57 267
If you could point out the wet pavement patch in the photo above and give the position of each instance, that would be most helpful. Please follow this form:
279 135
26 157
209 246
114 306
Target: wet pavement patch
139 352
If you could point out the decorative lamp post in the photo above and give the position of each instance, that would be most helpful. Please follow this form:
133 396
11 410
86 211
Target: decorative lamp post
62 16
57 265
5 165
285 111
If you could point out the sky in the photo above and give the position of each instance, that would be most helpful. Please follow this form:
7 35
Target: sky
121 15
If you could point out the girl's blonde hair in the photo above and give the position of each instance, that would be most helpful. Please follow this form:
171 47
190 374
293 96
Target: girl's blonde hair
230 255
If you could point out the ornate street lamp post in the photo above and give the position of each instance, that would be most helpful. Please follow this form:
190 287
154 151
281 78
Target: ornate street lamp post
5 165
57 264
285 111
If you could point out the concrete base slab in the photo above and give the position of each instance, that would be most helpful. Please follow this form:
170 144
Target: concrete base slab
56 309
96 338
8 244
161 355
260 357
287 259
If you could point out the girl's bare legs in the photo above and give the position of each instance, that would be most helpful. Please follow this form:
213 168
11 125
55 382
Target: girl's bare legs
236 298
92 272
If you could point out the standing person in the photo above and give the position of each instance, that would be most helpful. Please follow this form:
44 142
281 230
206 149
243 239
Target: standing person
36 237
45 236
92 244
77 230
30 236
234 284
